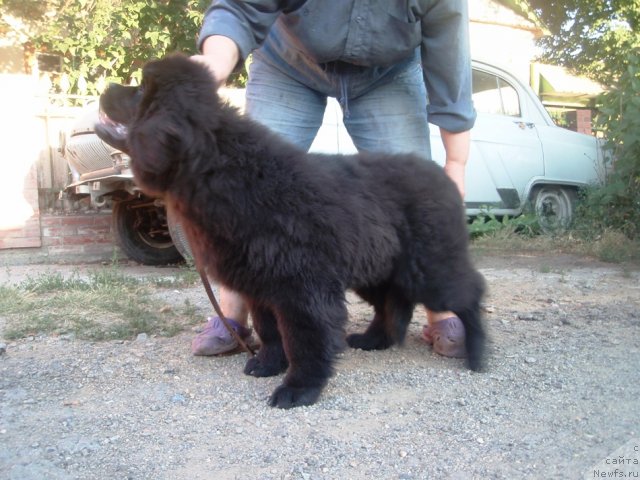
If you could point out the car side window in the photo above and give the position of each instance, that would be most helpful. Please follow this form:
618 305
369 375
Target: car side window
492 94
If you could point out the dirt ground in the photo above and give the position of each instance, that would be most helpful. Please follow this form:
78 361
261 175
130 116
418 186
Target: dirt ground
560 397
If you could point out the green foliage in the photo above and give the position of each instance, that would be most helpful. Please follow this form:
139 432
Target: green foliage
488 224
593 38
602 41
617 204
614 247
104 40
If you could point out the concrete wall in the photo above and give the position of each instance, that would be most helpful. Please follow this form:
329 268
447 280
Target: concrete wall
21 144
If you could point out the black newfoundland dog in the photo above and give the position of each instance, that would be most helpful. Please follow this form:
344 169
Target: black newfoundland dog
292 231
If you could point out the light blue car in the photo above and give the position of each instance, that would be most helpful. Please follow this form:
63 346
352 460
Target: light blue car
519 158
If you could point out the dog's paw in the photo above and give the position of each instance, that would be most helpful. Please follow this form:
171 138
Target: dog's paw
366 341
257 367
289 397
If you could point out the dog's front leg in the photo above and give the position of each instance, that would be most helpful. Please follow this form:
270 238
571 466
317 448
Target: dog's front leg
270 359
312 333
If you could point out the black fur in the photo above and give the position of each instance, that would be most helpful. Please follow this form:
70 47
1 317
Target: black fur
292 231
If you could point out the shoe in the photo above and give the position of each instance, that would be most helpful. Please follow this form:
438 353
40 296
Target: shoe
447 337
216 339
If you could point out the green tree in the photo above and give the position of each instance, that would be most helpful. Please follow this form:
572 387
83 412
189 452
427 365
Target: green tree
592 38
106 40
617 204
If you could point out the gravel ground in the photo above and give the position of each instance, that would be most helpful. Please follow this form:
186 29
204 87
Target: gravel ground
559 399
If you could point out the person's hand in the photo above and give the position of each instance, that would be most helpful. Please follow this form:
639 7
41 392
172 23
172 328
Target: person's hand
220 55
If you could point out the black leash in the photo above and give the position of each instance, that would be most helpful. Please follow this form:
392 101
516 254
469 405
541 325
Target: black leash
207 285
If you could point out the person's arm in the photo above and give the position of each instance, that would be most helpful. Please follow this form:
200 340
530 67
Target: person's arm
220 54
456 146
231 30
446 62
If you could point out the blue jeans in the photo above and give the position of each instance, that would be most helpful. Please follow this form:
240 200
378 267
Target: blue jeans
384 112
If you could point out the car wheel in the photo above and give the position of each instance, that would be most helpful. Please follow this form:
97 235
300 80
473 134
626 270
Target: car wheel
179 237
140 227
554 208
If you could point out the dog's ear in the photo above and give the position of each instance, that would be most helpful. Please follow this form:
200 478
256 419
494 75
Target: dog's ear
165 146
156 147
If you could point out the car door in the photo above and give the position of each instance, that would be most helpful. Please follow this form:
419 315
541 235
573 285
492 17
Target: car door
506 152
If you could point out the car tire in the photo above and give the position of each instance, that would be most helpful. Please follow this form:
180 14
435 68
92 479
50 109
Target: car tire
554 208
141 230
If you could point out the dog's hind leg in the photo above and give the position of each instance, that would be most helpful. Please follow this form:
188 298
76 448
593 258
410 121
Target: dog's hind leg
468 294
270 359
393 313
462 296
475 337
312 333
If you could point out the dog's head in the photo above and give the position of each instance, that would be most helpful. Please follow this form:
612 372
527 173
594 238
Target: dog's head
161 123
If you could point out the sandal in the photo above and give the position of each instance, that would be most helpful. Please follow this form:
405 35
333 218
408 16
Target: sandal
216 339
447 337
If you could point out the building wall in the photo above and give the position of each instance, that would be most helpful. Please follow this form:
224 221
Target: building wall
501 37
487 44
19 206
11 58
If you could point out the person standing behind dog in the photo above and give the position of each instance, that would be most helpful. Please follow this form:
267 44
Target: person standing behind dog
393 66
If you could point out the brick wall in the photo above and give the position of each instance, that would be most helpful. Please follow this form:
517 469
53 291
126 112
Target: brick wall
69 237
580 121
